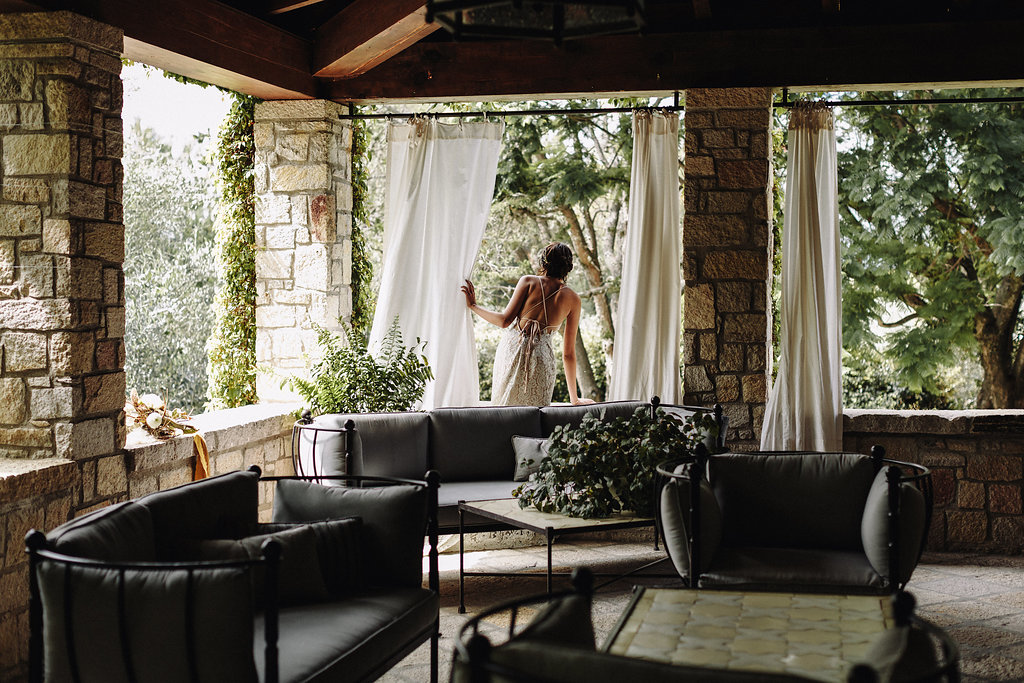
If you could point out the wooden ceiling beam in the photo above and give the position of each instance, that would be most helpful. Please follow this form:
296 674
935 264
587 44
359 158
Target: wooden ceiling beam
702 10
282 6
633 65
208 41
366 33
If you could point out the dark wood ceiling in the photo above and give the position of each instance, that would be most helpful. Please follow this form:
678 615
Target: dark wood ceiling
368 50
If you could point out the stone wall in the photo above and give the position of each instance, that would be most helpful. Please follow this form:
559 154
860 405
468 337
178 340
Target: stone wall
727 252
303 234
977 464
41 494
62 246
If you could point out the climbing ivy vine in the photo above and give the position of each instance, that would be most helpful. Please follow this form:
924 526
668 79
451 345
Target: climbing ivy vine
232 347
362 269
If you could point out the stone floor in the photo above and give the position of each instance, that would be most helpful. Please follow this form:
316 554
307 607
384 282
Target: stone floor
977 598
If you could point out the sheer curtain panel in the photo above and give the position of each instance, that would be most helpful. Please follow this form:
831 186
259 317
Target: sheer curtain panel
440 181
805 408
645 359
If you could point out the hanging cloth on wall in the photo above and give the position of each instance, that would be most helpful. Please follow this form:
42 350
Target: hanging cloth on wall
645 359
440 181
805 408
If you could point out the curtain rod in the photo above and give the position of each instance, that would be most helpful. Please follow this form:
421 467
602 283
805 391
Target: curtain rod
675 106
787 103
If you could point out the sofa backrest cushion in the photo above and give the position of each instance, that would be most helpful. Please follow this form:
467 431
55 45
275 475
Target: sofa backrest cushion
675 523
219 507
385 444
338 548
156 609
118 533
791 500
475 444
572 416
394 522
874 527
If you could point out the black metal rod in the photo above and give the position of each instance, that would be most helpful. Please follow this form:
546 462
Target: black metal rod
517 112
786 103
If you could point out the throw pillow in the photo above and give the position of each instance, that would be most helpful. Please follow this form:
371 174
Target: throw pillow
338 547
300 578
529 452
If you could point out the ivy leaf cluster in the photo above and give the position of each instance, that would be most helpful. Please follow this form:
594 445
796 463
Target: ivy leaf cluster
349 379
603 467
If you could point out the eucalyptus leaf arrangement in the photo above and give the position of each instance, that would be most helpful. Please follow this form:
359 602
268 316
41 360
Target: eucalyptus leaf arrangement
349 379
604 467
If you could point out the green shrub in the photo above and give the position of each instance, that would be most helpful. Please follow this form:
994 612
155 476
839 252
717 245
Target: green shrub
604 467
350 380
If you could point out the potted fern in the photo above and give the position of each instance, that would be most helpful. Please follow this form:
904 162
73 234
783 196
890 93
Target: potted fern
351 379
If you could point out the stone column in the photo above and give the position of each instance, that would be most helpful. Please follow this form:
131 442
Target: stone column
62 310
303 234
727 246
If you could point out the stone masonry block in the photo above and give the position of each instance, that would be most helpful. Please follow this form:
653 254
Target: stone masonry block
88 439
273 209
24 351
57 236
703 230
970 495
699 166
708 345
12 400
695 379
733 297
283 110
755 388
53 404
274 265
747 174
994 468
736 265
731 358
312 267
729 202
298 178
323 219
727 98
280 237
32 314
72 353
105 241
967 527
20 221
1005 499
699 307
36 155
104 393
111 476
26 437
1008 534
727 388
293 147
750 327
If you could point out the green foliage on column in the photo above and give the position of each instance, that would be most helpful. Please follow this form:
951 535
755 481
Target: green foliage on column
232 347
362 268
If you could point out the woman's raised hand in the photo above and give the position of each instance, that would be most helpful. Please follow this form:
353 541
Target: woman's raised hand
470 293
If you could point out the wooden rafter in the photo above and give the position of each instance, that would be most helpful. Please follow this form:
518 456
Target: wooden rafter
830 7
282 6
637 65
702 10
366 33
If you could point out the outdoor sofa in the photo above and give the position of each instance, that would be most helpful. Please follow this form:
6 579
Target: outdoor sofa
817 522
186 585
471 448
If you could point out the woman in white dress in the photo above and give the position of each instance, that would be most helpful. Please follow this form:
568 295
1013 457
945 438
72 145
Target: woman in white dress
524 364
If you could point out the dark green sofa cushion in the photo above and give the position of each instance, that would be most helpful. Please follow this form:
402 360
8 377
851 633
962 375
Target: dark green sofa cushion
394 522
475 444
118 533
155 624
220 507
782 500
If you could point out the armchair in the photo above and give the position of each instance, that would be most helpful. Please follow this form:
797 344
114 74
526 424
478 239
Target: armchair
823 522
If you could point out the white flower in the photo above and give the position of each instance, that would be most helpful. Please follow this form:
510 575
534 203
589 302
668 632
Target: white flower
154 420
152 400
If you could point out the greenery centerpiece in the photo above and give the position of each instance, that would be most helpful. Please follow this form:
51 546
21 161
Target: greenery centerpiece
604 467
350 379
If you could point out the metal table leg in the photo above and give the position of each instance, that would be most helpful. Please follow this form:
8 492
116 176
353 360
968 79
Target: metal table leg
462 575
551 538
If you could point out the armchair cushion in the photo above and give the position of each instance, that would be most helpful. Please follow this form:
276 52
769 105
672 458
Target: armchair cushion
300 578
675 516
874 527
780 569
394 522
791 500
156 609
337 548
118 533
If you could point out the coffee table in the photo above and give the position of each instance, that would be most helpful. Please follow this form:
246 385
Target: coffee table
812 635
507 512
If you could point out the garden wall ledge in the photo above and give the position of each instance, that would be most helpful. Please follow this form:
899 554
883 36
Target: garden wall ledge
952 422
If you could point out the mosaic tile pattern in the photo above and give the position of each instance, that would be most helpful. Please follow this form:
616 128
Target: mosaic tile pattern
817 636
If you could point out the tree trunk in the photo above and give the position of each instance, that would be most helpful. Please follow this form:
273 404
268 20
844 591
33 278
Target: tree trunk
592 267
1003 382
585 372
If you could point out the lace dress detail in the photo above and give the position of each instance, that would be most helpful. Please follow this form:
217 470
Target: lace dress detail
524 363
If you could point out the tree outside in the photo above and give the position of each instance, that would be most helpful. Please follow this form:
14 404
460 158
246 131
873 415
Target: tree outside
932 226
169 203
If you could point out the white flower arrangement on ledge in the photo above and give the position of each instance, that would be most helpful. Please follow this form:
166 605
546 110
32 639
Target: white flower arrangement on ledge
150 412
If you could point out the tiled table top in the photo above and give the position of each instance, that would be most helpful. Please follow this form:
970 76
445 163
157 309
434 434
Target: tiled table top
818 636
507 509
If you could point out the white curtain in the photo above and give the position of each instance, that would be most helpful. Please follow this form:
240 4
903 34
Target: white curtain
440 182
645 359
805 409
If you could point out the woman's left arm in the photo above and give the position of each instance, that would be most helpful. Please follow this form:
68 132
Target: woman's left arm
511 312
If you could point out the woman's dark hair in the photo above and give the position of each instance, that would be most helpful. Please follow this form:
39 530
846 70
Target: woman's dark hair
556 260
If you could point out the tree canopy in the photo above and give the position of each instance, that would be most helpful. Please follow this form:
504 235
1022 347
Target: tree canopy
932 228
